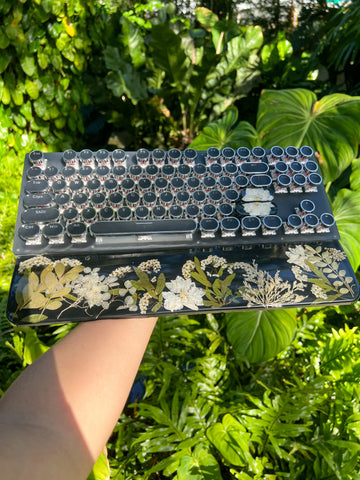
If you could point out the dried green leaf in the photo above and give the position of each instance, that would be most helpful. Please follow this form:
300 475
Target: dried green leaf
59 269
33 281
37 300
50 281
54 305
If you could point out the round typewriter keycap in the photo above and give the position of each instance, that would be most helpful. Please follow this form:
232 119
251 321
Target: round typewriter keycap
277 152
296 167
184 170
307 206
258 153
311 220
51 171
193 183
241 181
199 170
132 199
315 179
76 229
102 171
36 157
98 199
225 209
53 230
299 179
231 169
225 182
106 213
115 199
69 156
215 169
215 196
209 210
176 211
306 152
68 172
149 199
142 155
212 154
124 213
272 222
29 231
284 180
190 156
85 155
110 185
250 222
168 171
144 184
151 171
142 212
183 197
166 198
243 153
93 185
230 224
119 156
70 214
327 219
158 155
281 167
209 225
294 221
291 152
199 197
228 154
34 172
174 155
76 185
209 183
177 183
62 199
81 199
102 155
59 185
135 172
192 210
127 184
311 166
161 184
88 214
119 171
159 212
85 171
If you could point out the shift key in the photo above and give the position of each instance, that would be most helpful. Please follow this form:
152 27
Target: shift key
40 215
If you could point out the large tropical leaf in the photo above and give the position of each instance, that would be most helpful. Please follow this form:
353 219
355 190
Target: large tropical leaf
331 126
257 336
346 208
223 133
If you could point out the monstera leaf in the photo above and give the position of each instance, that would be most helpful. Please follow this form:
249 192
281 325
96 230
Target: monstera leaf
223 133
259 335
331 126
346 208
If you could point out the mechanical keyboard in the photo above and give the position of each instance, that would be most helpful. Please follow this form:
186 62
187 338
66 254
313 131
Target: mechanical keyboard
179 231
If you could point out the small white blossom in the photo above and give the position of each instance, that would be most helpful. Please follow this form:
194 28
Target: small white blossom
257 208
297 256
149 266
257 195
93 288
121 271
318 292
39 261
144 302
336 254
188 267
182 293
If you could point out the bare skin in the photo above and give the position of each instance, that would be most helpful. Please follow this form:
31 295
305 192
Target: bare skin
58 415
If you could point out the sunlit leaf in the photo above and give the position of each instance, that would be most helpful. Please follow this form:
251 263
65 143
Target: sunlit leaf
260 335
331 126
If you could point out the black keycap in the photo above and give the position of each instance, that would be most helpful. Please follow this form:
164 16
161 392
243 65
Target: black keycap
143 227
88 214
76 229
261 180
36 186
70 214
254 167
40 215
37 200
53 230
29 231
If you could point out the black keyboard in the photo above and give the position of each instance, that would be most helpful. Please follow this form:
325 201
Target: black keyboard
245 204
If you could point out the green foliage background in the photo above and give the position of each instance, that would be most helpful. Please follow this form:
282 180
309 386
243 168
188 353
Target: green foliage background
207 403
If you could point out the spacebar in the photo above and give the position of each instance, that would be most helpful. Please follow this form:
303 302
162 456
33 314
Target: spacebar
143 227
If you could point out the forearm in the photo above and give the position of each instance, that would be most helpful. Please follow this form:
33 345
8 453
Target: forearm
77 390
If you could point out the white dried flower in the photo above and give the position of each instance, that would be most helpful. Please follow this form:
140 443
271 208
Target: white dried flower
93 288
188 267
258 208
182 293
336 254
121 271
297 256
257 195
318 292
144 302
149 266
39 261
